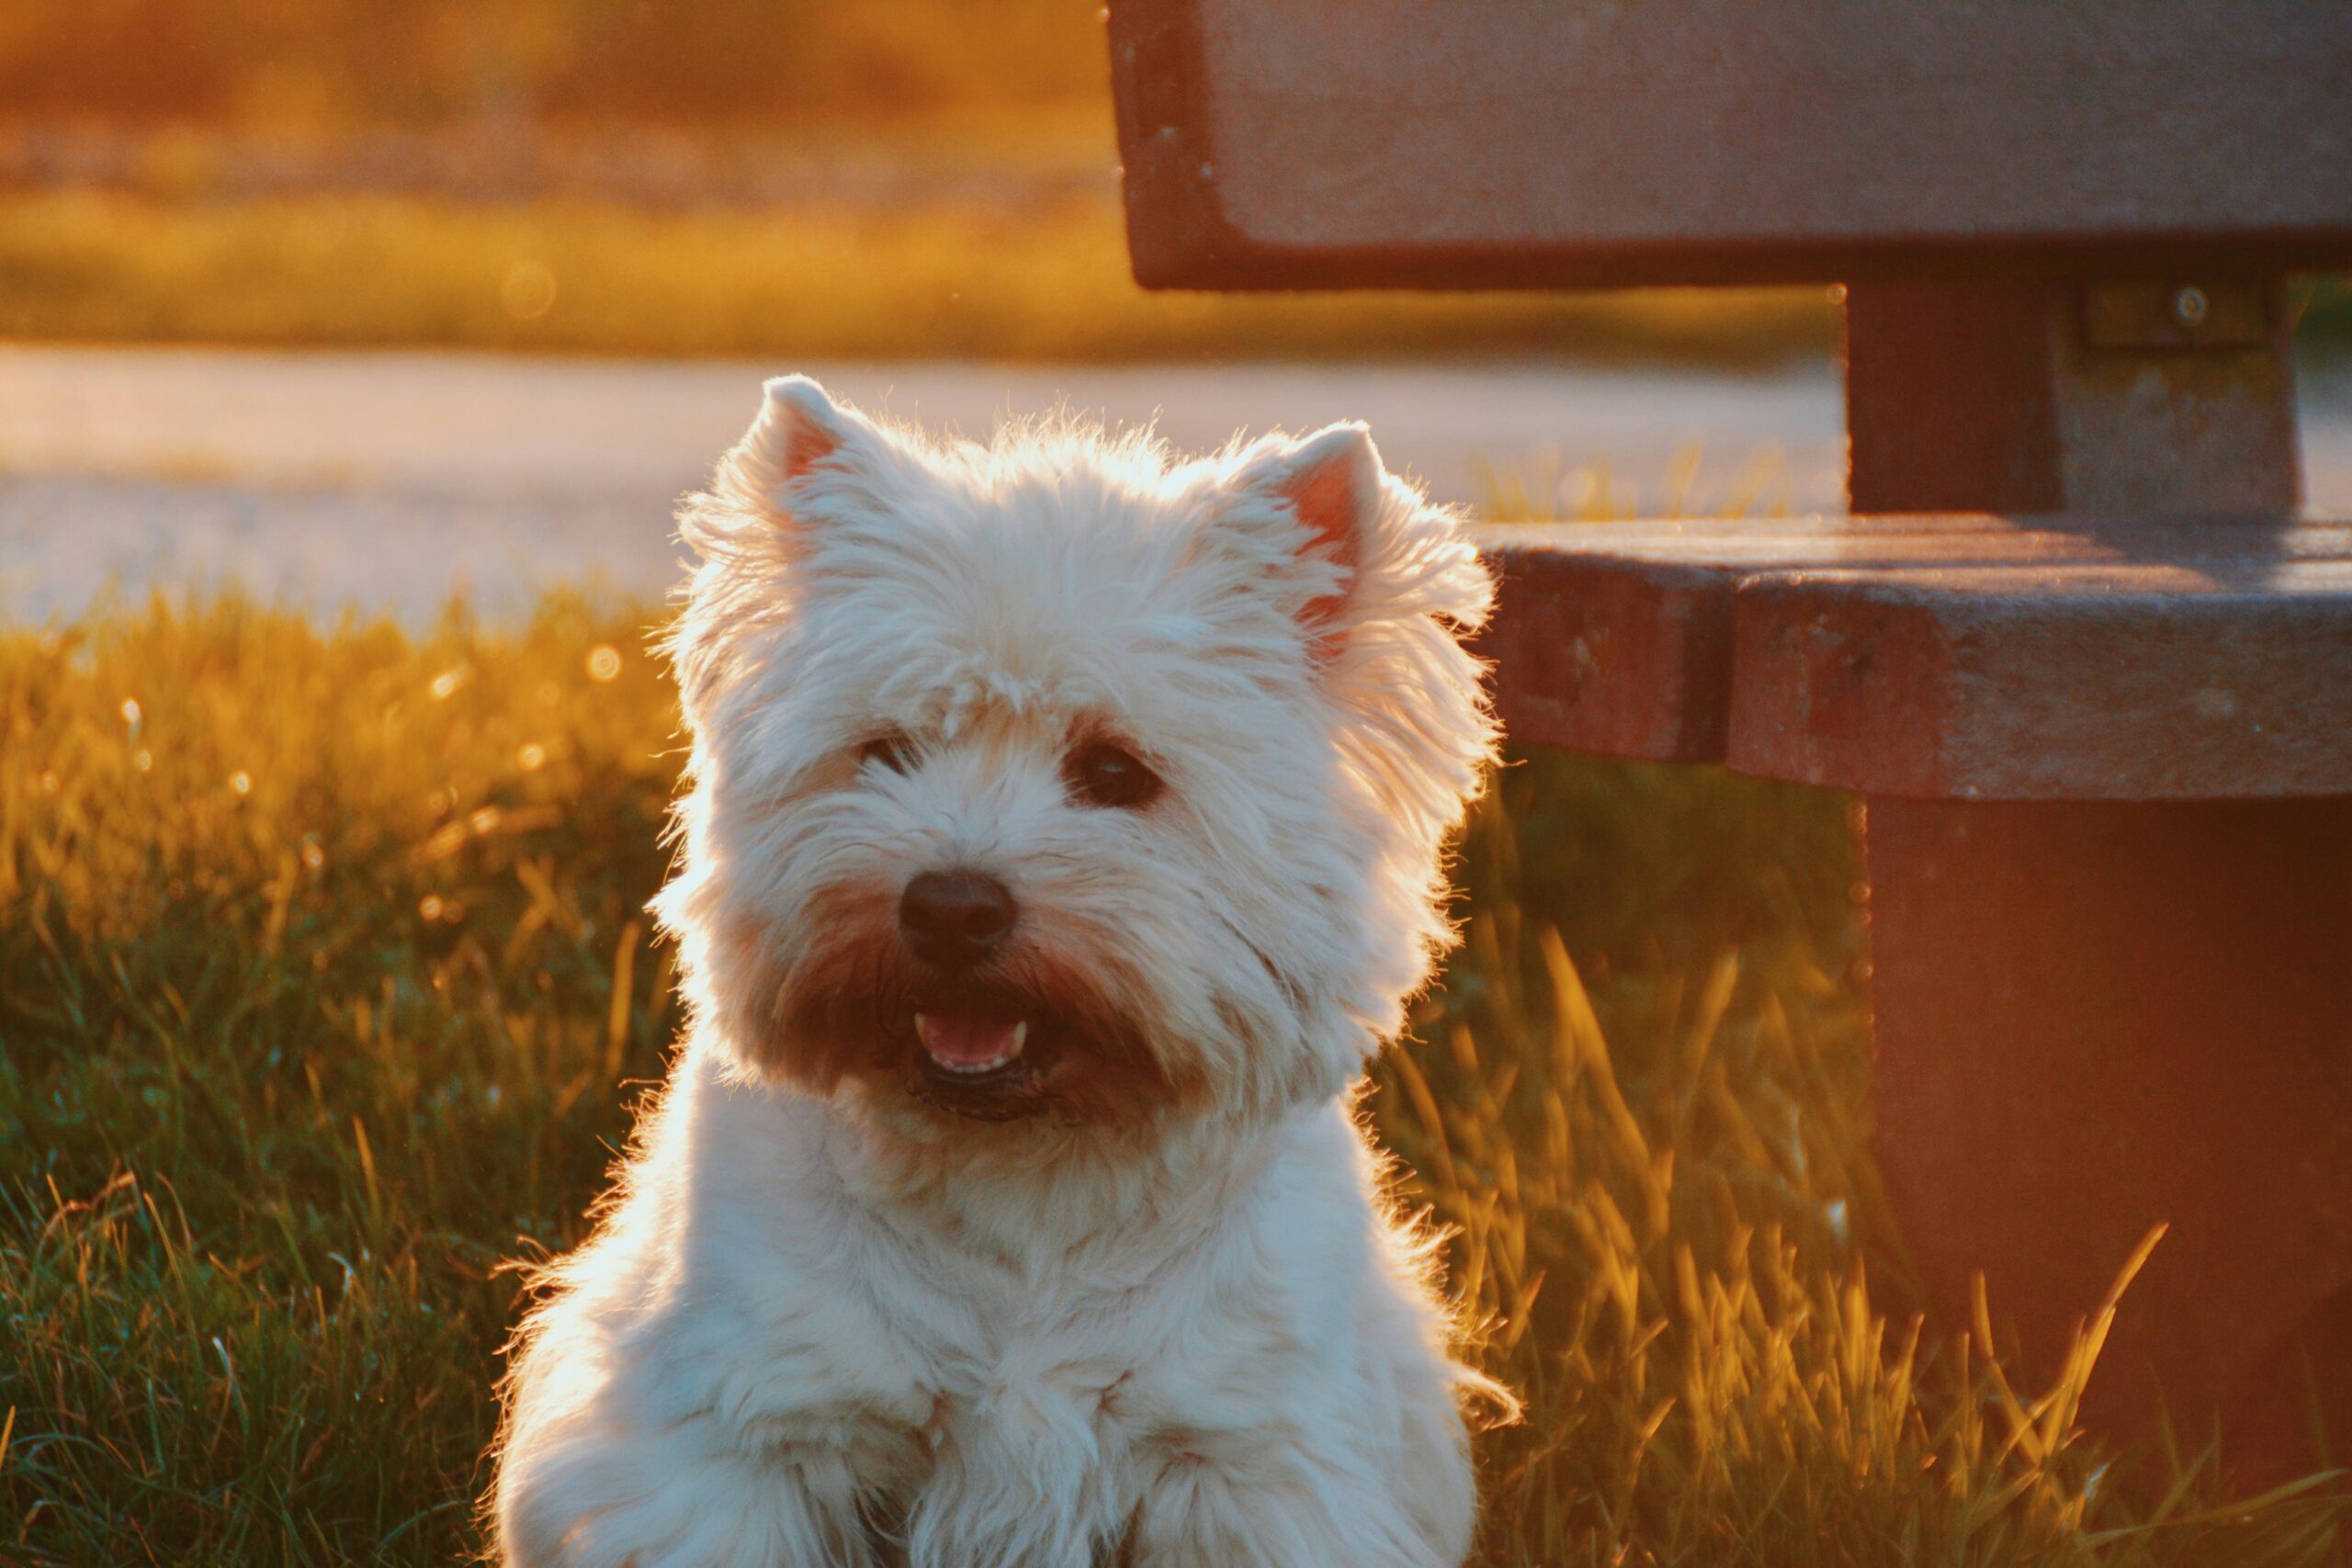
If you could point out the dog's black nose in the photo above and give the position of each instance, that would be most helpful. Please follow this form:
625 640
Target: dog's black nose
953 918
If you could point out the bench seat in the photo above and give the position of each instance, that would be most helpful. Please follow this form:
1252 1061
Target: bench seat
1965 657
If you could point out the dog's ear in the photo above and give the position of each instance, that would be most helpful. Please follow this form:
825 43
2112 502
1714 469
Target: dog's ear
800 436
1333 485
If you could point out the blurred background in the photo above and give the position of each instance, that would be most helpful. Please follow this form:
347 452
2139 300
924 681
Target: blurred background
269 272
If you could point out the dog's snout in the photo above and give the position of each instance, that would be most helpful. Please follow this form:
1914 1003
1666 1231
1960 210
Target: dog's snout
953 918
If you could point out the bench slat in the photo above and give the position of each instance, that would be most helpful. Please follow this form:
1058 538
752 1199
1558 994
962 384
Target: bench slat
1960 657
1336 144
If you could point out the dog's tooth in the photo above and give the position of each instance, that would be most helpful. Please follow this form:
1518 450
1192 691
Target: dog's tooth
1016 1040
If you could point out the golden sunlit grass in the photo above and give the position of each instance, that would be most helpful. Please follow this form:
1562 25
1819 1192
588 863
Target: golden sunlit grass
1546 488
325 985
1042 280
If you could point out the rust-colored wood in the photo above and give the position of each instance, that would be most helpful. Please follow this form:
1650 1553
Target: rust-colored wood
2094 1018
2007 396
1968 657
2143 680
2102 1003
1351 143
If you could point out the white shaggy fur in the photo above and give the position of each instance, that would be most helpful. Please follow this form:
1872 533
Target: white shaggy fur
1164 1318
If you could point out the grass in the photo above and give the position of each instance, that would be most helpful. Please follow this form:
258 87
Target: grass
325 989
1043 279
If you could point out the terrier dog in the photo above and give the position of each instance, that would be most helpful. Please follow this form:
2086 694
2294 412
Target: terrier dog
1063 837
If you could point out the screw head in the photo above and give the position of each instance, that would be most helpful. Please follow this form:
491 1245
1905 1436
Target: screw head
2189 307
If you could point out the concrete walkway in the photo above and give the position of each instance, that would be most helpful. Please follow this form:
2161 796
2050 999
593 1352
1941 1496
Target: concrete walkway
390 480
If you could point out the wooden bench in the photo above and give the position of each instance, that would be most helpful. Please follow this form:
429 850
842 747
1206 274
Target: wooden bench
2088 666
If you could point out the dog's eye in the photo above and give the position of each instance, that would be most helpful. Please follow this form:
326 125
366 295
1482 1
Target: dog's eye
1102 774
894 751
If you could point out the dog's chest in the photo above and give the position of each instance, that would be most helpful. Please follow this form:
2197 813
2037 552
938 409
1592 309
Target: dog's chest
1063 1401
1074 1371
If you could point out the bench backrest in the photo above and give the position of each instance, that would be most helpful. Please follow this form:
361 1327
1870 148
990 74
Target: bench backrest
1467 143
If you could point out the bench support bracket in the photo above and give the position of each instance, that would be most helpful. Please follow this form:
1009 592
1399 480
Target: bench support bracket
2162 396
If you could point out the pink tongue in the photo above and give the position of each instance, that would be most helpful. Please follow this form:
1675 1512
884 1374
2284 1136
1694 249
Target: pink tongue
967 1039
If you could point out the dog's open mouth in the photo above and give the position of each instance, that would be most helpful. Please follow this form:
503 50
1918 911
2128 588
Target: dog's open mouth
969 1044
981 1057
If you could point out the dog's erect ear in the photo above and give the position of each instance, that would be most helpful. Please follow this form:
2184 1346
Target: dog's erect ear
801 427
1331 483
799 432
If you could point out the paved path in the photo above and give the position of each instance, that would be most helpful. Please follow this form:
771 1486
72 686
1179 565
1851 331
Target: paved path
390 480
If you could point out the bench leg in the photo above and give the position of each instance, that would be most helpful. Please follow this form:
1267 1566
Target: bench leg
2092 1017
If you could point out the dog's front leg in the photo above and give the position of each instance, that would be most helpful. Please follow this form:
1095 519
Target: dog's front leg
1271 1504
689 1497
1023 1477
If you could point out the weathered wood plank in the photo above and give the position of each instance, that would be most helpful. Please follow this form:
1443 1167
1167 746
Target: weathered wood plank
1334 144
1962 657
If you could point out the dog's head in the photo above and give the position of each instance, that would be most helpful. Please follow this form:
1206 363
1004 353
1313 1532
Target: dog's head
1056 779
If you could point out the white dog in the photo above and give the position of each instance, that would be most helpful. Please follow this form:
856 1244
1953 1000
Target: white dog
1064 837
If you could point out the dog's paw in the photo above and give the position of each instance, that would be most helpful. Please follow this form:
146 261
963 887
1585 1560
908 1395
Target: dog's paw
612 1506
1200 1513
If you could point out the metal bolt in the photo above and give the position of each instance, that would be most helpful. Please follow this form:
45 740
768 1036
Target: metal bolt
2189 306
